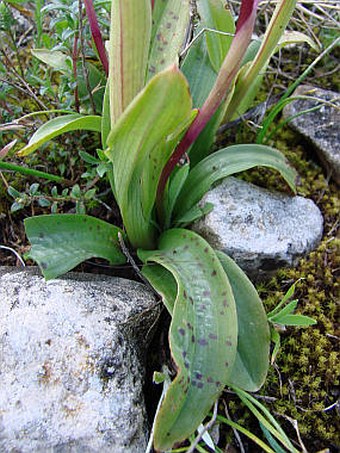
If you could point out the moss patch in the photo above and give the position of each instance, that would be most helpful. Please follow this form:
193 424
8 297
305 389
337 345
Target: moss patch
304 383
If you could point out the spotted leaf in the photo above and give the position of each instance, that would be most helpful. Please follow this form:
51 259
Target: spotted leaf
203 331
252 359
62 241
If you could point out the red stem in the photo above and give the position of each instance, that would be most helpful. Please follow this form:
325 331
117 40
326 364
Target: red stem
217 94
96 34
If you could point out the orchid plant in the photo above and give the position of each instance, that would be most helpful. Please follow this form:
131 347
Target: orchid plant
159 118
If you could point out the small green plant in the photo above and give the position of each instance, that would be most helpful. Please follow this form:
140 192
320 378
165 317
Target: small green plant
283 315
34 196
157 110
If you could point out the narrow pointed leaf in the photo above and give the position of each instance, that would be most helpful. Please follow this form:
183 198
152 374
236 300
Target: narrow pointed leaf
58 126
249 81
106 121
203 333
128 52
296 37
288 309
168 38
62 241
139 146
175 186
252 359
226 162
215 16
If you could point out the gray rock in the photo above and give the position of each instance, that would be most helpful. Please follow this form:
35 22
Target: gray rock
261 230
320 127
71 371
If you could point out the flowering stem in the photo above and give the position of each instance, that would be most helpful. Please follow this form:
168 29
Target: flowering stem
96 34
217 94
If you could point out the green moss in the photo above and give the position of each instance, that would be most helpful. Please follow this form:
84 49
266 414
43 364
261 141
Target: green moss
308 363
305 378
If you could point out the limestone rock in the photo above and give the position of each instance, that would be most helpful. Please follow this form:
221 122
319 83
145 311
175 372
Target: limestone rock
71 373
261 230
320 127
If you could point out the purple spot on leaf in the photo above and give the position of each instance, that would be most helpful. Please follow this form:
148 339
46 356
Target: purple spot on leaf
212 336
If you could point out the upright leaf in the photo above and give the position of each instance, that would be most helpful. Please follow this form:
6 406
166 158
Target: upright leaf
139 145
203 332
249 79
214 15
62 241
128 52
169 34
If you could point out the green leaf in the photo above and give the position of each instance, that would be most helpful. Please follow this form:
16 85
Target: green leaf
201 77
203 332
163 282
54 58
252 359
294 320
176 182
172 24
95 83
198 70
225 162
44 203
128 52
57 126
214 15
62 241
140 144
249 80
284 311
276 339
14 193
106 120
286 297
194 213
296 37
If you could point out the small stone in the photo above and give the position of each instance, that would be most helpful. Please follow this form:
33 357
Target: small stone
320 127
261 230
71 362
